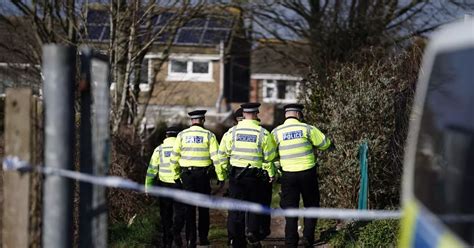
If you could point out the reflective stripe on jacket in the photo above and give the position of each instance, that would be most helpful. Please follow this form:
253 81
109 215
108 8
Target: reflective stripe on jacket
160 163
248 143
195 147
295 141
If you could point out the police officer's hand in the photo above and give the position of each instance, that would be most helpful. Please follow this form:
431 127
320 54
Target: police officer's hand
271 179
220 183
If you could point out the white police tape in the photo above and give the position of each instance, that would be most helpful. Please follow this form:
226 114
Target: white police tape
201 200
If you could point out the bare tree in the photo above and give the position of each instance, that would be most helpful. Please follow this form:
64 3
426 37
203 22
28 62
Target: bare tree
337 29
131 36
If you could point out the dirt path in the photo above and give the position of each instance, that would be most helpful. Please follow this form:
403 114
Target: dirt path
218 230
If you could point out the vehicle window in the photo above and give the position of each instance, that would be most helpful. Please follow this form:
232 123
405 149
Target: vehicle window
444 169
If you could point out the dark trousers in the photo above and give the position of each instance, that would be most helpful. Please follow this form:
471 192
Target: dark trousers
294 184
240 224
196 180
266 199
172 216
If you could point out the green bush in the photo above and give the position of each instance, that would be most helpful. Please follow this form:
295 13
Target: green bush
379 233
365 100
382 233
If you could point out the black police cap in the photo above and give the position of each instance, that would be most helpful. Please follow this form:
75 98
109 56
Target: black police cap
238 113
250 107
294 107
197 114
172 130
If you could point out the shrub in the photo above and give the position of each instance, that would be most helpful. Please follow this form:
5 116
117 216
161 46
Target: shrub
128 162
363 101
381 233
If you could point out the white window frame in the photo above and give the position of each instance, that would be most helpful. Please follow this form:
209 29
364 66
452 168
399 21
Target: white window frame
189 75
265 78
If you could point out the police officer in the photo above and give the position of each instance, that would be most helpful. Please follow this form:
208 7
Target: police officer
239 115
159 167
246 147
266 199
194 151
295 141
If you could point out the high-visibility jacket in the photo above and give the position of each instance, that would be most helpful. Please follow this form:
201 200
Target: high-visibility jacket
195 147
160 163
295 141
224 162
248 143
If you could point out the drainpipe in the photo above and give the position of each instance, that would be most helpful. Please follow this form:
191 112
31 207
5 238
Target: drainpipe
220 98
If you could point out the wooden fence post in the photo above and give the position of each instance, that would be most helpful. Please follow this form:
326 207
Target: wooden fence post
16 186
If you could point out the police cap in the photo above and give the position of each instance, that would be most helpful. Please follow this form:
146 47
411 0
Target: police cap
238 114
172 130
294 107
197 114
250 107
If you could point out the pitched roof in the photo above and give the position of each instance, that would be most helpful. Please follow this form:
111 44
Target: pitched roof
276 57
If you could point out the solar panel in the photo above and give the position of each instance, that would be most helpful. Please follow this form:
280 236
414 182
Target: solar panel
95 32
219 22
106 35
214 36
198 31
154 20
189 36
197 22
97 16
164 18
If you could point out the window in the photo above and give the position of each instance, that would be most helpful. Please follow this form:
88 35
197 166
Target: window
190 70
280 90
179 66
146 75
201 67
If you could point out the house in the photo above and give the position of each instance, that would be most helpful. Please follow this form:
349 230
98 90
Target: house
276 71
207 66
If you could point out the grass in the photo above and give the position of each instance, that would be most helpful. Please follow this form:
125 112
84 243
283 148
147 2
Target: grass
218 234
276 195
141 231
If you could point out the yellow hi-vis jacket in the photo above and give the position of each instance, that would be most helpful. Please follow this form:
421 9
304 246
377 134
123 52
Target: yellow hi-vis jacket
160 163
195 147
295 141
248 143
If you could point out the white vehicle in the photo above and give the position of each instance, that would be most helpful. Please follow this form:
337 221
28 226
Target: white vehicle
438 181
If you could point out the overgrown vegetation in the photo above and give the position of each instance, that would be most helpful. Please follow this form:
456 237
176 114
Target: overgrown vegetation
370 100
140 231
128 161
378 233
